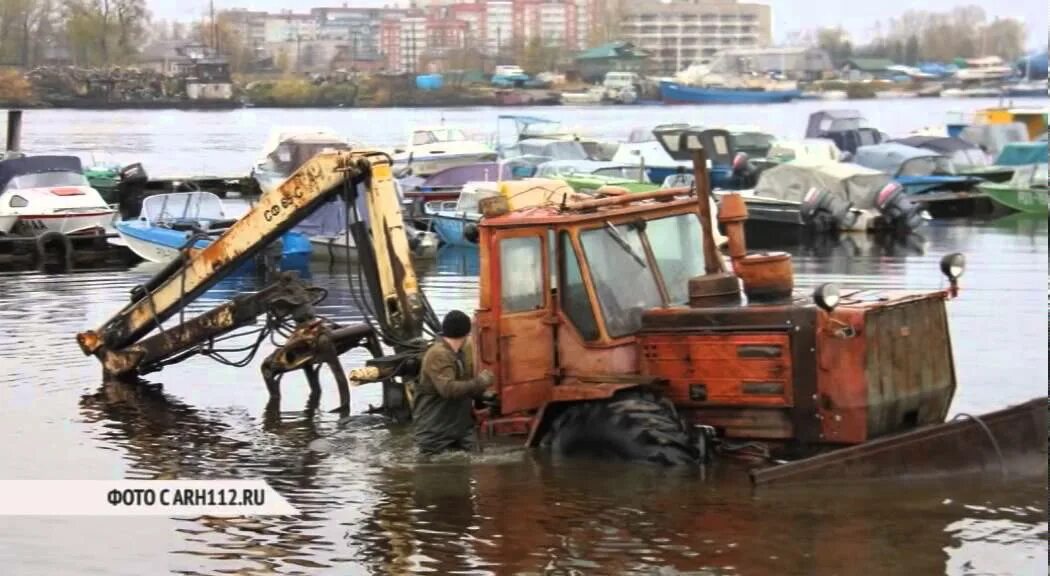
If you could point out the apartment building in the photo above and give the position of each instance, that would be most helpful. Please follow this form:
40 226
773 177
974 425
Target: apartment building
248 25
679 33
290 26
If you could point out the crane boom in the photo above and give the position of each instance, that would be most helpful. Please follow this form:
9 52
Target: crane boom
399 306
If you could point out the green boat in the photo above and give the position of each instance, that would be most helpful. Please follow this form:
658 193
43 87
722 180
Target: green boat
1025 192
592 182
103 174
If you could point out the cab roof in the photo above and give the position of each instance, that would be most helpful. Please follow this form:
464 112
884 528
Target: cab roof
554 213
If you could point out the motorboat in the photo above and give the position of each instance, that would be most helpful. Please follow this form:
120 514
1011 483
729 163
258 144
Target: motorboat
327 231
42 194
967 157
511 130
847 128
288 149
987 69
452 219
1026 191
447 184
811 150
434 148
591 96
994 138
170 223
675 93
927 177
590 176
558 169
829 197
919 170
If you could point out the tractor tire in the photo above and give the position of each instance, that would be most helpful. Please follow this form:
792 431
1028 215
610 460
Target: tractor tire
632 427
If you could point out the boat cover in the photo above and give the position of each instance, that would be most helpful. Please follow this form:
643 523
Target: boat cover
992 138
964 154
890 156
1021 153
941 144
826 121
793 180
15 167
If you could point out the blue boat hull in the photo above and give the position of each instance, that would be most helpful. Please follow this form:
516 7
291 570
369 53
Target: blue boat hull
295 246
674 93
923 184
450 229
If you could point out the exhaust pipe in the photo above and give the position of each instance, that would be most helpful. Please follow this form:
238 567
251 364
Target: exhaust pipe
14 130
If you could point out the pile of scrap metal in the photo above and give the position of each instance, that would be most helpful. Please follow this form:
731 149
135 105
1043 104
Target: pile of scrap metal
64 84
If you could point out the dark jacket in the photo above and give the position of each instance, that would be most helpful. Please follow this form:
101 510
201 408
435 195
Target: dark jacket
443 408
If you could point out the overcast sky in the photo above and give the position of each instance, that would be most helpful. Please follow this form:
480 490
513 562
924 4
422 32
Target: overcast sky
789 16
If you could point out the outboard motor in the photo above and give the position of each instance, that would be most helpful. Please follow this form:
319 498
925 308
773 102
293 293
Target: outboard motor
130 190
825 212
898 211
745 175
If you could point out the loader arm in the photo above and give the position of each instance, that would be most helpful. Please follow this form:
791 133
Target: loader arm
399 307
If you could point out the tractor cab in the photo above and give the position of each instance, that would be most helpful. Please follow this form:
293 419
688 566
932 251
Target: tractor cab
564 290
581 301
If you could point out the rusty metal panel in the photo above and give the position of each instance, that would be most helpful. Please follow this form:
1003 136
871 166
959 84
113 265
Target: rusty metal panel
735 369
909 367
744 423
1006 442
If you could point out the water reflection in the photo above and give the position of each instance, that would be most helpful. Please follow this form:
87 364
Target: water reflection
369 507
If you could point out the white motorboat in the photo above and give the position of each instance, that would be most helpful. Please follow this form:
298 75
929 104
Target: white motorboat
435 148
591 96
332 249
326 228
41 194
288 149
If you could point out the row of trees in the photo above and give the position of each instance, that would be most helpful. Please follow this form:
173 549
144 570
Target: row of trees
89 32
918 35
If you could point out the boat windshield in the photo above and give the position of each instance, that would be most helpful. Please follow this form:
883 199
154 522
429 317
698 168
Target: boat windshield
543 129
627 259
471 197
754 143
556 149
46 180
635 173
424 137
201 207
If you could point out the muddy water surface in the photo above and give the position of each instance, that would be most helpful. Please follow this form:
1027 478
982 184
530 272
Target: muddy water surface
370 508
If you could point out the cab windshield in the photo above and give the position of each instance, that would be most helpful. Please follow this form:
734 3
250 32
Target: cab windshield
629 260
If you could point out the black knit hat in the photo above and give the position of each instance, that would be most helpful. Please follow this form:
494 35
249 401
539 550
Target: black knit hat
455 325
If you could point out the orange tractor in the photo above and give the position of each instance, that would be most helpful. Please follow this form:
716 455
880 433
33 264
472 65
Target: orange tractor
613 323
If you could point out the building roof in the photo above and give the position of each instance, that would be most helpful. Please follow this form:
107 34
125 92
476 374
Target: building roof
870 64
612 50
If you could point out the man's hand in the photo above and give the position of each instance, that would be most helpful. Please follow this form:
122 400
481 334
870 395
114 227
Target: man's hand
485 379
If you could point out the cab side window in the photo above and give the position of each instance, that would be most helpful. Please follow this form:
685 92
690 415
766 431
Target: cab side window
572 292
521 273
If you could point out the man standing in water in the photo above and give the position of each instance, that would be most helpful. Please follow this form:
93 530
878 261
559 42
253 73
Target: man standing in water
445 393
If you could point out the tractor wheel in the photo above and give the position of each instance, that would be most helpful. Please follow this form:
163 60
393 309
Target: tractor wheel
632 427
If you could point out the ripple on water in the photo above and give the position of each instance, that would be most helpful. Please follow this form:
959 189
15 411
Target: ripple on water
369 505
